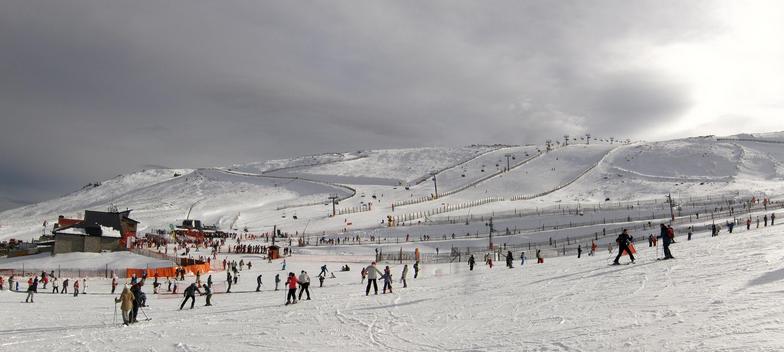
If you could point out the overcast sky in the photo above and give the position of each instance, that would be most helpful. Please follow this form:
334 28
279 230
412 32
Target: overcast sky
92 89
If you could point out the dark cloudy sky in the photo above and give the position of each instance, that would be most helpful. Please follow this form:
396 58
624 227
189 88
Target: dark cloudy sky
92 89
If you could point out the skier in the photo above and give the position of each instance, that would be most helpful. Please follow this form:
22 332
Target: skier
55 285
208 293
765 219
304 284
321 280
539 259
190 293
363 272
522 259
32 288
114 283
509 259
748 224
593 248
623 241
667 234
772 218
127 298
471 262
416 269
258 283
84 286
372 275
137 301
229 280
579 251
65 287
403 276
283 268
209 281
323 269
76 287
277 281
387 280
291 282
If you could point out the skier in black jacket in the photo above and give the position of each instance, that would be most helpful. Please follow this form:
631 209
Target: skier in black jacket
190 293
623 240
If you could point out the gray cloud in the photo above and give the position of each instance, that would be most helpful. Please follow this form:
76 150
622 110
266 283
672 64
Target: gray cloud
91 89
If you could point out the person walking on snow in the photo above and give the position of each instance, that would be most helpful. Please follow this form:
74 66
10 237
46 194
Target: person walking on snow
76 287
623 241
291 283
522 259
372 275
277 281
579 251
416 269
509 259
55 285
208 293
304 284
258 283
190 293
114 283
471 262
772 219
403 276
127 298
65 287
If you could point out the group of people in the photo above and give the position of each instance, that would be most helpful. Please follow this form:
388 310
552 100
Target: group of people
36 282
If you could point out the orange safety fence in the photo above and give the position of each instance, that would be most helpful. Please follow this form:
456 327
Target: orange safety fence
168 271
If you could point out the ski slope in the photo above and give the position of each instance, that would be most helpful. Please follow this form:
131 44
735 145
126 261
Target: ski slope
719 294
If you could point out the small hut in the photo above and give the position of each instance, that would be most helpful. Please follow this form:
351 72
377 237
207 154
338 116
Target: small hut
273 252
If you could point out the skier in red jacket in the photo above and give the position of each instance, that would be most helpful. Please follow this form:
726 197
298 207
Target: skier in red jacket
291 281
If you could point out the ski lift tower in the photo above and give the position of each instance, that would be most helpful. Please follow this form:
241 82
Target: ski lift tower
435 184
492 229
508 155
333 198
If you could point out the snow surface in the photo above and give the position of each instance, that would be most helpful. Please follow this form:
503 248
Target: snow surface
720 294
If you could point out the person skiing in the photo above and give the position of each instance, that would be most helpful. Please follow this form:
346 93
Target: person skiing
32 288
76 287
190 293
471 262
416 269
258 283
579 251
229 280
304 284
55 285
323 269
623 241
137 301
403 276
114 283
208 293
127 298
65 287
748 224
372 276
291 282
277 281
667 233
539 259
387 276
321 280
765 220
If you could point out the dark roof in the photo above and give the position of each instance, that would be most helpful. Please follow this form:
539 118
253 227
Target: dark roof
108 219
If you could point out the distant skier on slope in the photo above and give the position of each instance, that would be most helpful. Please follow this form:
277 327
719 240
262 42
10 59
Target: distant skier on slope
403 276
291 283
387 276
623 241
190 293
509 259
471 262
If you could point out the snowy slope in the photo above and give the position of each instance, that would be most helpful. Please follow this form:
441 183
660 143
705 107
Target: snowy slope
720 294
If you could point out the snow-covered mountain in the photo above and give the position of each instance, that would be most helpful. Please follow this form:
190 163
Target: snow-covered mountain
293 193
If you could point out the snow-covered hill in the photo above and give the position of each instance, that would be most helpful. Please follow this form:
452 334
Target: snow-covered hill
471 180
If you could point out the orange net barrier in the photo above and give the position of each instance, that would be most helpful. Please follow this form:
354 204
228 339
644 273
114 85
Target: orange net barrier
168 271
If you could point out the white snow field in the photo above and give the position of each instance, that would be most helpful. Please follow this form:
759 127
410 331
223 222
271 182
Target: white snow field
719 294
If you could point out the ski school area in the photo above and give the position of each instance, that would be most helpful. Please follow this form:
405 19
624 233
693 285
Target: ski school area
719 293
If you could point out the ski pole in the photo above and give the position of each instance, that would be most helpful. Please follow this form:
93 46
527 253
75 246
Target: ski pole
145 314
114 320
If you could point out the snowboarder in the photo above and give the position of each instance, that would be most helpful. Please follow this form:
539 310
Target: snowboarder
403 276
127 298
623 241
304 284
372 275
190 293
291 282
